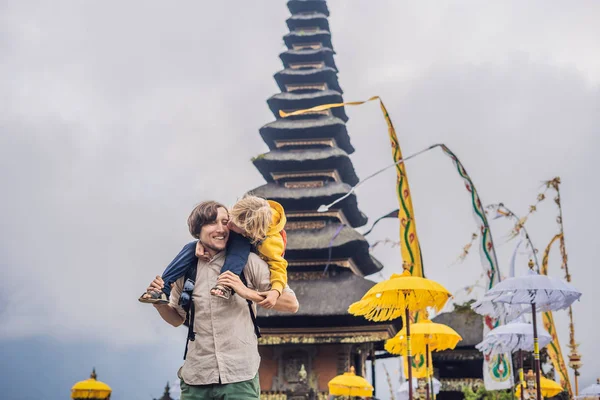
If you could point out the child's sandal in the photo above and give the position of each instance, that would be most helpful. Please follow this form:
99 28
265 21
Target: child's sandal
154 298
221 291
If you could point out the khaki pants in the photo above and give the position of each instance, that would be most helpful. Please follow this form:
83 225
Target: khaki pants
246 390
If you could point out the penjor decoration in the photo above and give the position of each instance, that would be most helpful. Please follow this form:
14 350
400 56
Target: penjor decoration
554 350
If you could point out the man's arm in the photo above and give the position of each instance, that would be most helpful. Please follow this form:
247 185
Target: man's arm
287 302
168 312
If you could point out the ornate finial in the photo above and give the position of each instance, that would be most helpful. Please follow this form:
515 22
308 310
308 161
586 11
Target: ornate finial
531 264
406 266
167 390
352 370
93 374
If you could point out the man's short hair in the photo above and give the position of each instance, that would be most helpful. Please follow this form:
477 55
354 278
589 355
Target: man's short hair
204 213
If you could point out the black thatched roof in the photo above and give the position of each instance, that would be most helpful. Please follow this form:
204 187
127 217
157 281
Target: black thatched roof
308 20
328 296
305 6
307 199
327 75
313 244
294 101
324 303
297 37
314 128
309 55
317 159
467 323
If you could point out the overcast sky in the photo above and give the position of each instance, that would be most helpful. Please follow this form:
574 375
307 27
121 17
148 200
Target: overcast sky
116 118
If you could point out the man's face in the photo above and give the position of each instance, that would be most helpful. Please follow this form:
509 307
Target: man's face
214 235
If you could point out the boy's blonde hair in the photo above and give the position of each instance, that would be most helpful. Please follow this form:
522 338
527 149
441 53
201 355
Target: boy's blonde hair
254 216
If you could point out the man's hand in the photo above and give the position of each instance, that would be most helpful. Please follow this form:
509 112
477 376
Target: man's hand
270 299
200 253
156 285
233 281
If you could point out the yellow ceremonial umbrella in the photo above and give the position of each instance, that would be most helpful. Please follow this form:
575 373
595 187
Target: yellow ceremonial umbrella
399 295
549 387
350 384
426 336
91 389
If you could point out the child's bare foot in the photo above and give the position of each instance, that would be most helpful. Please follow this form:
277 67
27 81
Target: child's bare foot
221 291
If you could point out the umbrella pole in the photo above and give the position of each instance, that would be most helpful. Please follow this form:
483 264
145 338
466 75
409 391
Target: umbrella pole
536 354
521 377
427 368
408 353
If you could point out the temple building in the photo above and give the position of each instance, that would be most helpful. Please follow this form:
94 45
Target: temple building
308 165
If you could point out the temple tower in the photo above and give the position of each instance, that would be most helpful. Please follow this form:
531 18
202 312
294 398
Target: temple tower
309 165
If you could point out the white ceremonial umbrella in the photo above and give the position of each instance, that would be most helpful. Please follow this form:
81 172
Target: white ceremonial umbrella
542 292
591 392
403 390
512 337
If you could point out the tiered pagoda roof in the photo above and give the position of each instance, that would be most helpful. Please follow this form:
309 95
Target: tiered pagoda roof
307 20
309 165
283 132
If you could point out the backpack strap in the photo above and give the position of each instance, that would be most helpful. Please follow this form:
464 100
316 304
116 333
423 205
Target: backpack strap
187 303
188 306
252 315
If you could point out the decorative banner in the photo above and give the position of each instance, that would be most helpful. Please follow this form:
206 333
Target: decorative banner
497 370
409 248
419 366
554 351
486 248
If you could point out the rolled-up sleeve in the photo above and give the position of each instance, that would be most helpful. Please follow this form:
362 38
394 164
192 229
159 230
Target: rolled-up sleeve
257 272
174 298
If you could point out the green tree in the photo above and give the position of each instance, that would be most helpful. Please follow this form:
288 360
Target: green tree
482 394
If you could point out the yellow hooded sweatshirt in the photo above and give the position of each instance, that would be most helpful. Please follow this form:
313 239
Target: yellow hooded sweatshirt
272 248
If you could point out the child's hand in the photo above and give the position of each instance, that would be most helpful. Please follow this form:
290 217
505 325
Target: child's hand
270 299
200 252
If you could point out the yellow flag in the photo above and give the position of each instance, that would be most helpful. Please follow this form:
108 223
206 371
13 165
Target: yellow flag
409 242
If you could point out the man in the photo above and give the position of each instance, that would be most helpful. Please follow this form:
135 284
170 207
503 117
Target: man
222 362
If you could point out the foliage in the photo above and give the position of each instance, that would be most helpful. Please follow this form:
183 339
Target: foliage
482 394
464 307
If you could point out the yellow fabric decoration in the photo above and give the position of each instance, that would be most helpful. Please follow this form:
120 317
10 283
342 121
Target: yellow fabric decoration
90 389
549 388
438 336
389 299
349 384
